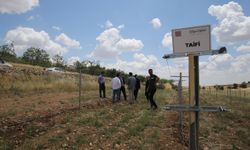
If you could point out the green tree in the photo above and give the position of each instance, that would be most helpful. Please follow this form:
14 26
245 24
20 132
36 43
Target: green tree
37 56
7 52
58 61
235 86
78 66
243 85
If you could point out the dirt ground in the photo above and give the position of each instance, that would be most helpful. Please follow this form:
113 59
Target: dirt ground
54 121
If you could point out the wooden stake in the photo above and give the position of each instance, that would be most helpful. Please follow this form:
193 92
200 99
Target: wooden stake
193 101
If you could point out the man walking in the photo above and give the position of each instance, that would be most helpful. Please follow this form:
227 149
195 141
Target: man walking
137 86
131 87
151 87
116 85
101 82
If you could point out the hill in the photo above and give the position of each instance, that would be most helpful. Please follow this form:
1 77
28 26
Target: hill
40 110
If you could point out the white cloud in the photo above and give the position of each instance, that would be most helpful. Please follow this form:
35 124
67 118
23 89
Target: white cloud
241 64
24 38
167 40
56 28
156 22
33 17
108 24
219 69
30 18
67 41
129 44
139 65
112 44
17 6
244 48
225 69
121 26
72 60
233 25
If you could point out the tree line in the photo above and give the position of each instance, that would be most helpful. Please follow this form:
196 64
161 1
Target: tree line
39 57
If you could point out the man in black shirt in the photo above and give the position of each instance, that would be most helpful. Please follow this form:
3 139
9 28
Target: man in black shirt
152 79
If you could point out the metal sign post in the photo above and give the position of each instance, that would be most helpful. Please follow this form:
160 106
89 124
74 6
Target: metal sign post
180 100
80 88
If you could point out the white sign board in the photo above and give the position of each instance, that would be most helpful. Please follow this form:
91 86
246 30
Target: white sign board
191 40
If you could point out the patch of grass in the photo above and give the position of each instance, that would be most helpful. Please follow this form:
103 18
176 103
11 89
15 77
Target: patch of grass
56 139
28 79
137 146
68 130
125 119
82 139
109 132
104 114
153 138
68 118
164 95
28 145
12 112
40 147
32 130
4 145
140 125
90 121
243 134
41 102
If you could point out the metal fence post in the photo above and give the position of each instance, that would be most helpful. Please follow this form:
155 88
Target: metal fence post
80 88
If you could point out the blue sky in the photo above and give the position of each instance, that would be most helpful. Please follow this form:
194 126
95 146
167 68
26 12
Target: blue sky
132 35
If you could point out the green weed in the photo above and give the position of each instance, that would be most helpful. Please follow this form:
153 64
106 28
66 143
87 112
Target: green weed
90 121
82 139
56 139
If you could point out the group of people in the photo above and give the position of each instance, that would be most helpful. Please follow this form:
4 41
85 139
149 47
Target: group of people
133 87
118 87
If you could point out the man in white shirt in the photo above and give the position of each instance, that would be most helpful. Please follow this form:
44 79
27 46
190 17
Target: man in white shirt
116 86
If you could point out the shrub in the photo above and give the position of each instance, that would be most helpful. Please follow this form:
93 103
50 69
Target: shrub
243 85
235 86
161 86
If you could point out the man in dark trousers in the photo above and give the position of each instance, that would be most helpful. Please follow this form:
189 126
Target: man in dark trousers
123 90
101 82
146 87
151 87
137 86
131 88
